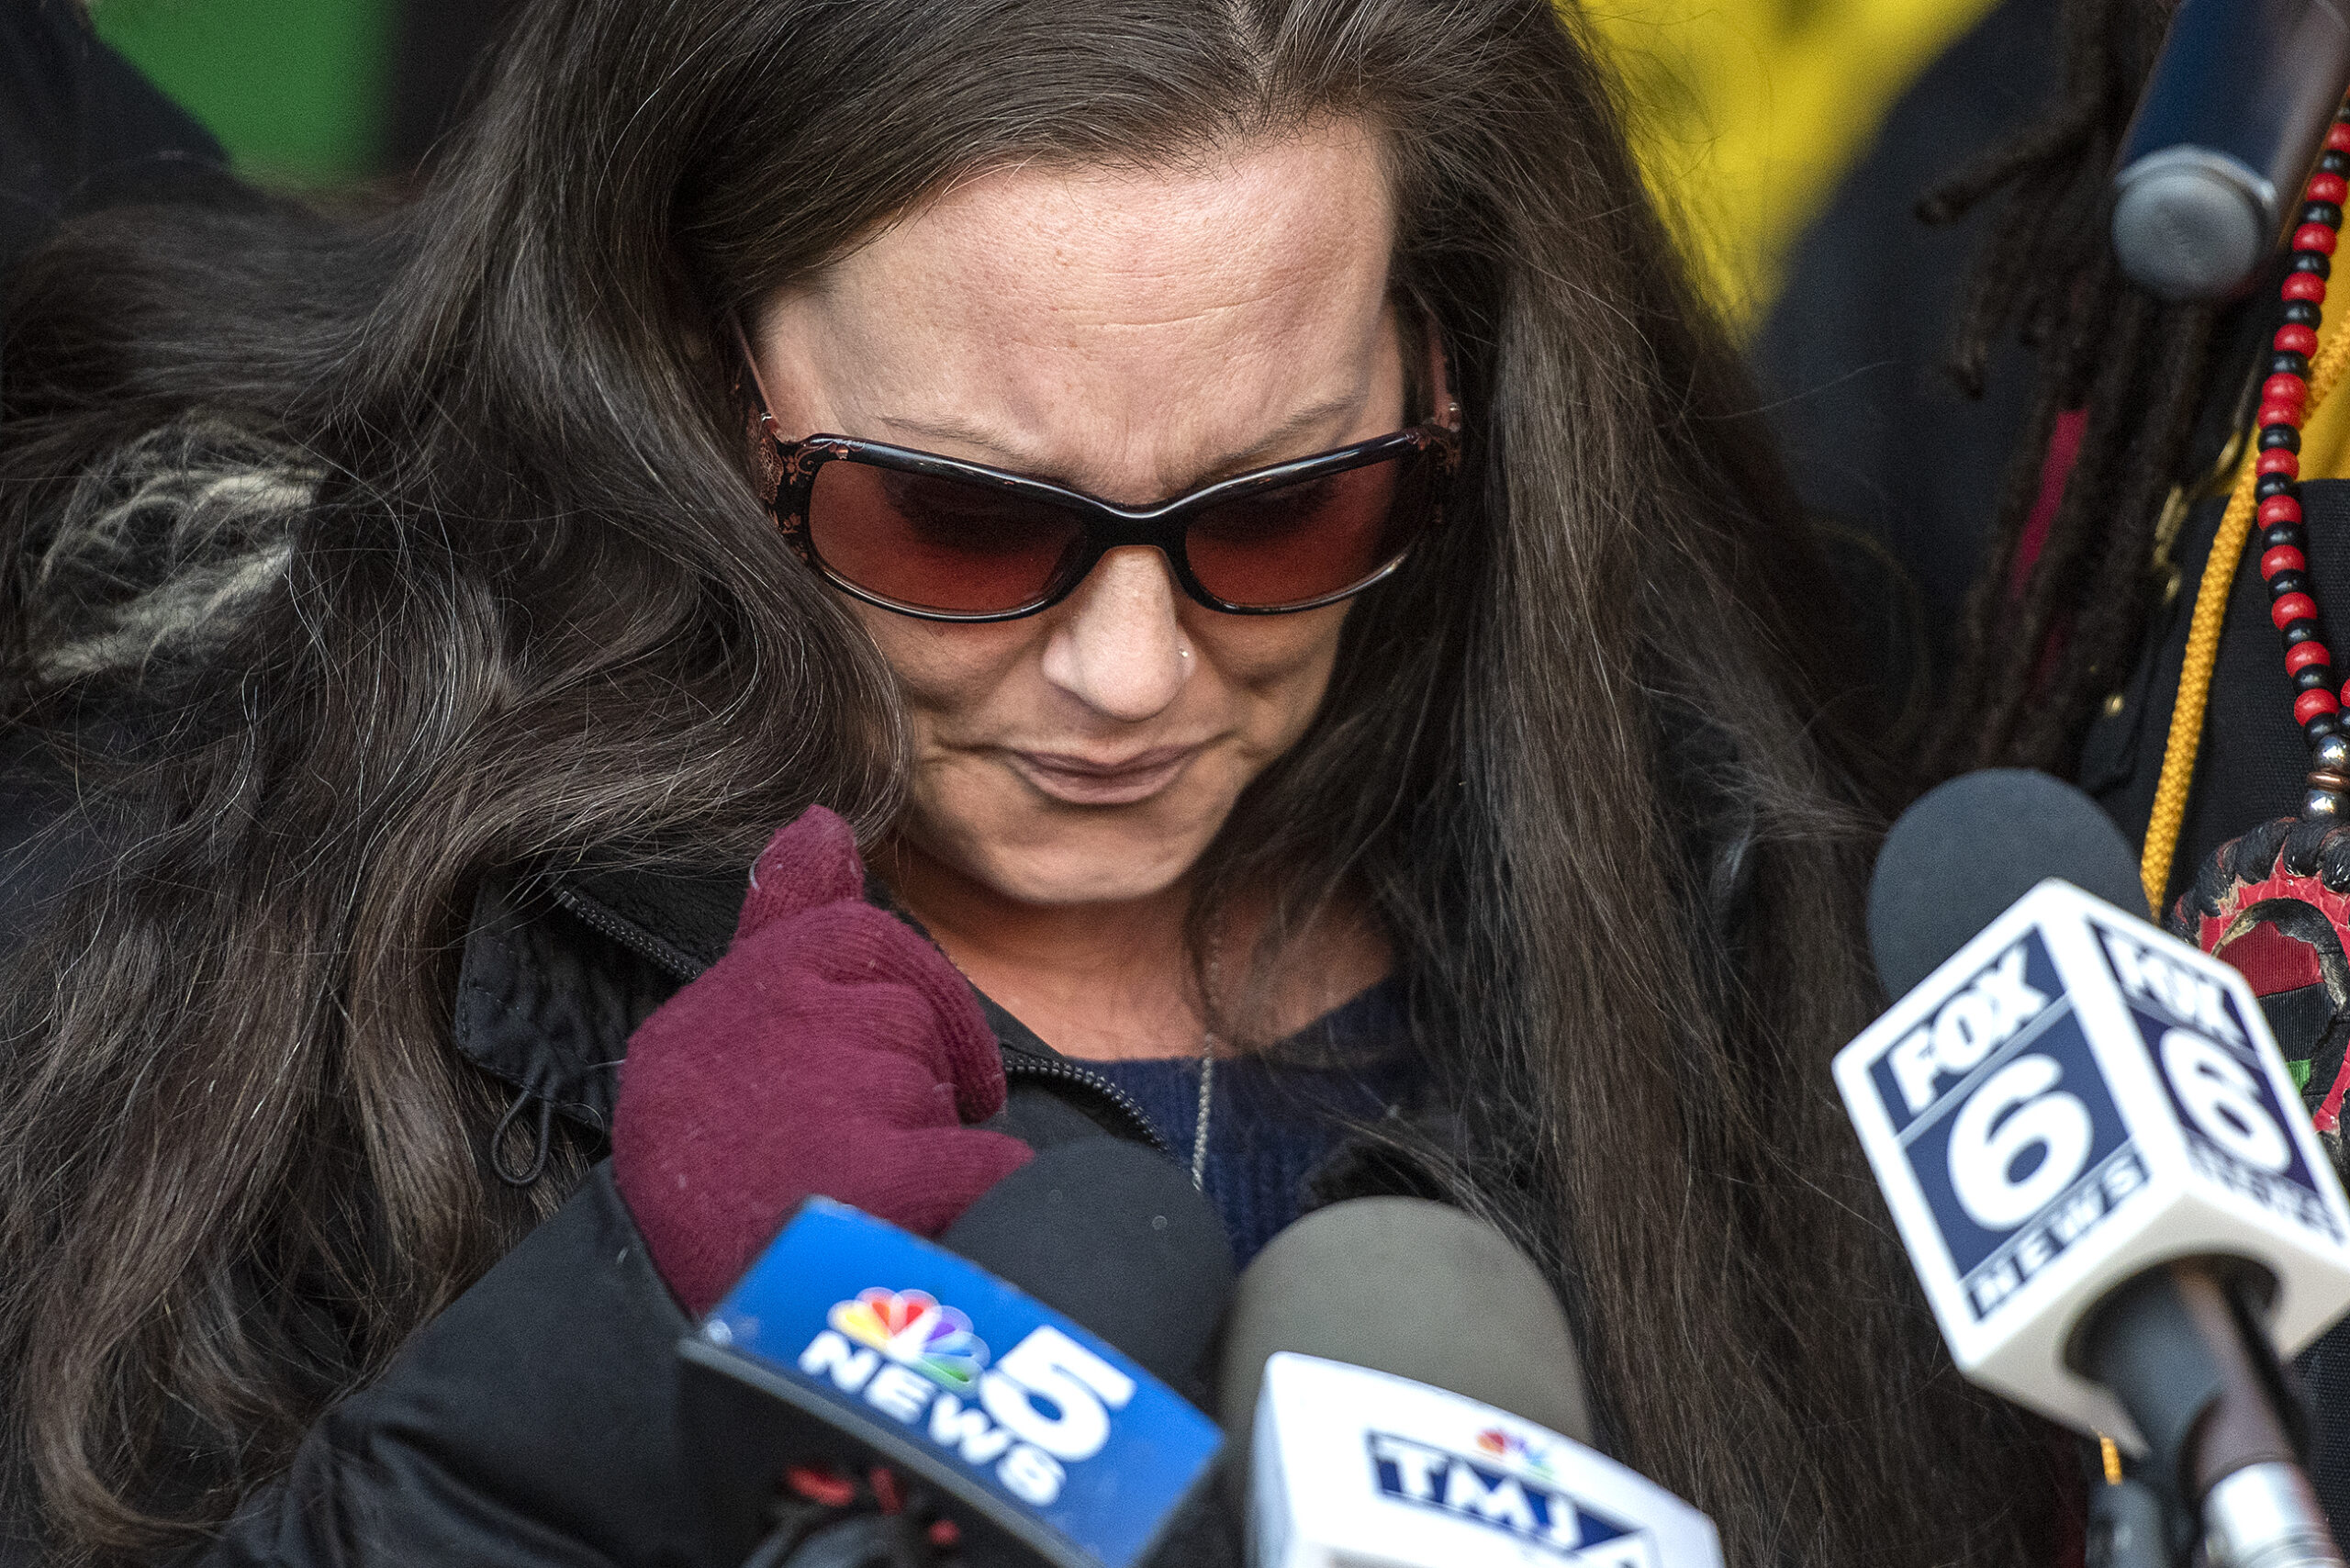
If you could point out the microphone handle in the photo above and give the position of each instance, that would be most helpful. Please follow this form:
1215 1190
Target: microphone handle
2265 1516
860 1540
2130 1525
2181 1353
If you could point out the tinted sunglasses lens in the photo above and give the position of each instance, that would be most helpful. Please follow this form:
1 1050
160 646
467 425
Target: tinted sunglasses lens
1311 538
955 546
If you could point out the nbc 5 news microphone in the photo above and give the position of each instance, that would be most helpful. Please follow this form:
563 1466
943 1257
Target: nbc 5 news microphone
1406 1395
2231 119
2096 1159
1034 1423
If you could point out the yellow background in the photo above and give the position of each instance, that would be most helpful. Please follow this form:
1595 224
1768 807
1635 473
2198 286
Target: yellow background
1748 111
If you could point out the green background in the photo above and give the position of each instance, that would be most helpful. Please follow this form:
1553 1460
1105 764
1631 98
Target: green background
298 90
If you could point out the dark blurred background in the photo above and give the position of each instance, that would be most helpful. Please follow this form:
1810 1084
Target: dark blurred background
1749 110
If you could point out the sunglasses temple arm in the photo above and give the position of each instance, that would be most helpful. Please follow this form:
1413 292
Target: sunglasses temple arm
1444 389
751 363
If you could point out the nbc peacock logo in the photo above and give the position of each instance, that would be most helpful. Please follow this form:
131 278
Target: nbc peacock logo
1496 1444
914 1330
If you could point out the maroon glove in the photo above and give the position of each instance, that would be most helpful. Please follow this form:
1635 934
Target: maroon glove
832 1050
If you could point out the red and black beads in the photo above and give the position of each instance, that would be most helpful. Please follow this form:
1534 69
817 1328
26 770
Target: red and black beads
2284 403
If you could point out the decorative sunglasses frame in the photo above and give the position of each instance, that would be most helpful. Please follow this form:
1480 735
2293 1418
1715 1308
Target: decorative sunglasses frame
1107 526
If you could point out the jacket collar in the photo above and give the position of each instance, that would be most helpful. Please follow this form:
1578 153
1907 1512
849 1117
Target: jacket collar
559 968
677 918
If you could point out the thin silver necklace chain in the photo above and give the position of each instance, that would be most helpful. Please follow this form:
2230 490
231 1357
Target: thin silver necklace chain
1207 1084
1199 1125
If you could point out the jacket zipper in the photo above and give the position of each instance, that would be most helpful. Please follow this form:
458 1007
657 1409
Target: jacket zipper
671 959
1020 1064
677 961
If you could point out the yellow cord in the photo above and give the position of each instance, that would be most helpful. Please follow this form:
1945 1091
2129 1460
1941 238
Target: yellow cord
2203 642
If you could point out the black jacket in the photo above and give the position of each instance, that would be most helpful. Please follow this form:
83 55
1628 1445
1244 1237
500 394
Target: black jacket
533 1422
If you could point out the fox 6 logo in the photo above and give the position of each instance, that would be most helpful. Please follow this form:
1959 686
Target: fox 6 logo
2006 1121
2217 1079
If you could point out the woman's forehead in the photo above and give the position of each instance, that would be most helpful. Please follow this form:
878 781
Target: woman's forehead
1031 316
1256 213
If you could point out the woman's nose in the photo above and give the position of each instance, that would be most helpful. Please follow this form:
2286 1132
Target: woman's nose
1120 648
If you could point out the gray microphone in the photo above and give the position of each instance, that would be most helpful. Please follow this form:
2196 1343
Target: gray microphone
1401 1387
2231 121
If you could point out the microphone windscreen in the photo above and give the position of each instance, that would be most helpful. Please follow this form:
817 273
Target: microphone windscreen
1114 1236
1965 850
1413 1288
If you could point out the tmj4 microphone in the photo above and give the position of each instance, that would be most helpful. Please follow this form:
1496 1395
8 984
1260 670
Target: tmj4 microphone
2095 1156
1411 1397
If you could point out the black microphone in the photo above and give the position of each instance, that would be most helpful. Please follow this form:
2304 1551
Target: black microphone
1967 850
2098 1165
1117 1236
1406 1391
1009 1399
2231 121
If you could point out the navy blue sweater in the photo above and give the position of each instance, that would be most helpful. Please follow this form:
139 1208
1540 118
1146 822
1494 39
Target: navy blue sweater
1275 1117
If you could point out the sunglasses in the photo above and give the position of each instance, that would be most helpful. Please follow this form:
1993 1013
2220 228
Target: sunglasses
944 540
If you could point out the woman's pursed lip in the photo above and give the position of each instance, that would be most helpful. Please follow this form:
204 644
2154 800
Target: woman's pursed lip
1096 781
1141 762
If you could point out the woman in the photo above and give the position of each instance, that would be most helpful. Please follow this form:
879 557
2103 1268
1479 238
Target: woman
404 605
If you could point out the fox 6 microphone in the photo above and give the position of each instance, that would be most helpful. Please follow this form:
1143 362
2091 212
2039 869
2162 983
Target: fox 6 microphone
1037 1420
1412 1398
2231 120
2095 1156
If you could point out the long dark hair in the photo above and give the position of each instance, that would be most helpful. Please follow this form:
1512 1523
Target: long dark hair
2052 626
485 582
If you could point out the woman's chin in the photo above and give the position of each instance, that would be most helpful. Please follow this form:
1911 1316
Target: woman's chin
1100 861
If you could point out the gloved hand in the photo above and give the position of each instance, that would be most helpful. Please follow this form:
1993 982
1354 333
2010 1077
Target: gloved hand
832 1050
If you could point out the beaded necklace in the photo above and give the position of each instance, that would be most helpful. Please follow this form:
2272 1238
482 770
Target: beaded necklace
2284 562
2292 874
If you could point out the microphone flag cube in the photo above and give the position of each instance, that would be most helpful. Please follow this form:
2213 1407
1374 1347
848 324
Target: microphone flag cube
851 1342
1363 1469
2072 1098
